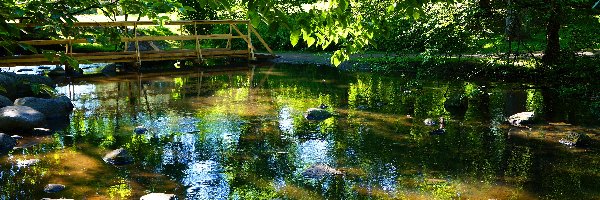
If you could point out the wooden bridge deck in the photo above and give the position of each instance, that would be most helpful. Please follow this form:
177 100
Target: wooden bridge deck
138 56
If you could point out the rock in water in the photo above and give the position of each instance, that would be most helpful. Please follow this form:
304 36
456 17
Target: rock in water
13 118
158 196
575 139
27 163
7 143
52 108
429 122
319 171
4 101
140 130
521 119
317 114
118 157
53 188
41 131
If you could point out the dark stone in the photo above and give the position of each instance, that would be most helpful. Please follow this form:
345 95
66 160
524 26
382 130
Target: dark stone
4 101
7 143
41 131
8 84
140 130
53 188
20 85
118 157
158 196
53 108
521 119
575 139
317 114
319 171
15 118
439 131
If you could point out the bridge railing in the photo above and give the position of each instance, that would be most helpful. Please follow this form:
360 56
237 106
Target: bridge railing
126 38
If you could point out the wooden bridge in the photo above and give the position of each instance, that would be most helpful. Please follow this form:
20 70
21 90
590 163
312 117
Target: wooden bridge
130 55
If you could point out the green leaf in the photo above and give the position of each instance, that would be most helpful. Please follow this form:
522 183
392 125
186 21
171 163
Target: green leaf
49 55
391 8
294 37
29 48
343 5
416 14
43 89
338 57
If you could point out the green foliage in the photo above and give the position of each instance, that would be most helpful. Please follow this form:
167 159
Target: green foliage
156 31
43 89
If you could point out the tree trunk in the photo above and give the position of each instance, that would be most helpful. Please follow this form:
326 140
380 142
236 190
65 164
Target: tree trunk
552 51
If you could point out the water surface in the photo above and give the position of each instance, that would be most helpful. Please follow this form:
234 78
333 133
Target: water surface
241 134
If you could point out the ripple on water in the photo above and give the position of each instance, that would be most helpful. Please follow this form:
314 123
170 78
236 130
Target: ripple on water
206 181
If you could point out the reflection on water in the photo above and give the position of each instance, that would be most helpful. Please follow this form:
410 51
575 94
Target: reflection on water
242 135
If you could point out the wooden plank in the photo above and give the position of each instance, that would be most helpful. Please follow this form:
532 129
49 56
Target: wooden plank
241 34
180 37
143 23
262 41
140 38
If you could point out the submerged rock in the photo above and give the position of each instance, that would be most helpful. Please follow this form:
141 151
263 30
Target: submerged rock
521 119
4 101
27 163
7 143
53 188
158 196
575 139
429 122
317 114
140 130
319 171
41 131
439 131
118 157
52 108
14 118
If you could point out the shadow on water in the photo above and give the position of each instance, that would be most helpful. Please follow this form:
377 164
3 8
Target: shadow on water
240 133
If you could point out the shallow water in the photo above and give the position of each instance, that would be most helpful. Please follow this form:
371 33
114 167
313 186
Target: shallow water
241 134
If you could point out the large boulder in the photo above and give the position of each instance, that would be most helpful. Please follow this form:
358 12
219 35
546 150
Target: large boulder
8 84
53 108
7 143
21 85
4 101
118 157
317 114
15 118
522 119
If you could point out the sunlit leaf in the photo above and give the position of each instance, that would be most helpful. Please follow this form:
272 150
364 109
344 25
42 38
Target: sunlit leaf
416 15
294 37
49 55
